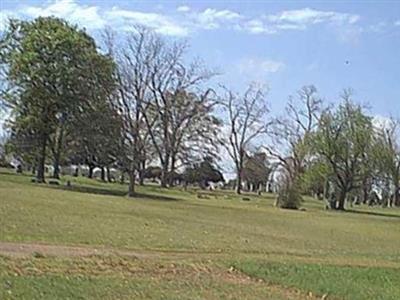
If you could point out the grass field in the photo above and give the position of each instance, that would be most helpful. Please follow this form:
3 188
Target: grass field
169 244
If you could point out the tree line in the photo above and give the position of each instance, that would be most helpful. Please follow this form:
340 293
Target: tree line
136 103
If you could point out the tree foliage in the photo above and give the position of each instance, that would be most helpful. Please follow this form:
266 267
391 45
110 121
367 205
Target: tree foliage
52 68
344 140
202 173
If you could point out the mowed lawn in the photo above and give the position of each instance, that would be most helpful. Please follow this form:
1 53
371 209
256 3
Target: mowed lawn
214 247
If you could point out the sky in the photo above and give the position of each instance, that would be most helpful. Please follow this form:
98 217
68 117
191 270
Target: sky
285 44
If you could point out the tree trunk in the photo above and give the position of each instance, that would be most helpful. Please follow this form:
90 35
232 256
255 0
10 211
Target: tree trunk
326 190
122 181
365 190
142 169
91 168
131 189
341 200
171 180
56 167
164 173
396 198
40 176
57 154
364 199
203 184
239 183
108 172
164 178
103 174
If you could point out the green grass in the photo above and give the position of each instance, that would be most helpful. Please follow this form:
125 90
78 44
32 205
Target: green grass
119 278
349 282
351 255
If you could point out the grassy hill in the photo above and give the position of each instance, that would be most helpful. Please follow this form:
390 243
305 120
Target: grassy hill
170 244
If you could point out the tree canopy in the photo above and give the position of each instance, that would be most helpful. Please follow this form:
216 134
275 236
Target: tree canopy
55 71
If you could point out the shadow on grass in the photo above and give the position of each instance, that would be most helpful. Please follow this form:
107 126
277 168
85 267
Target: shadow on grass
156 197
373 213
11 172
92 189
109 192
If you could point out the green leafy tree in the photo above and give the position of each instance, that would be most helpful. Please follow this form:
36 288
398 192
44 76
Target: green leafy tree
289 195
203 173
94 138
343 140
313 180
387 158
52 68
22 144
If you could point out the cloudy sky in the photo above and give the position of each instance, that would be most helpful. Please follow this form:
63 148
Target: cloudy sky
287 44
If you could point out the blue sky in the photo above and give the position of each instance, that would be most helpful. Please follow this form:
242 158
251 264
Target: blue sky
287 44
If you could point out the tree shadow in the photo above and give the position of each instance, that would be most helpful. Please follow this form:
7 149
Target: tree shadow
373 213
156 197
109 192
88 190
97 190
14 173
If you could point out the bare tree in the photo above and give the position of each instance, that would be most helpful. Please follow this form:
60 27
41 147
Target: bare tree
133 58
160 101
177 102
193 128
290 133
245 123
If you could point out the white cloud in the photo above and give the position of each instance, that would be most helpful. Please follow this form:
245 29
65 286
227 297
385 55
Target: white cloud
185 20
381 122
257 26
4 16
93 17
297 20
257 68
183 8
378 28
288 26
308 16
84 15
344 25
213 14
213 19
160 23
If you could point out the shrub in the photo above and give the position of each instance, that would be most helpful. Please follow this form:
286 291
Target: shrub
289 196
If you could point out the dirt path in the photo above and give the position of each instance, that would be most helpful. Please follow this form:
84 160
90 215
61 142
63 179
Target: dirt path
27 249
